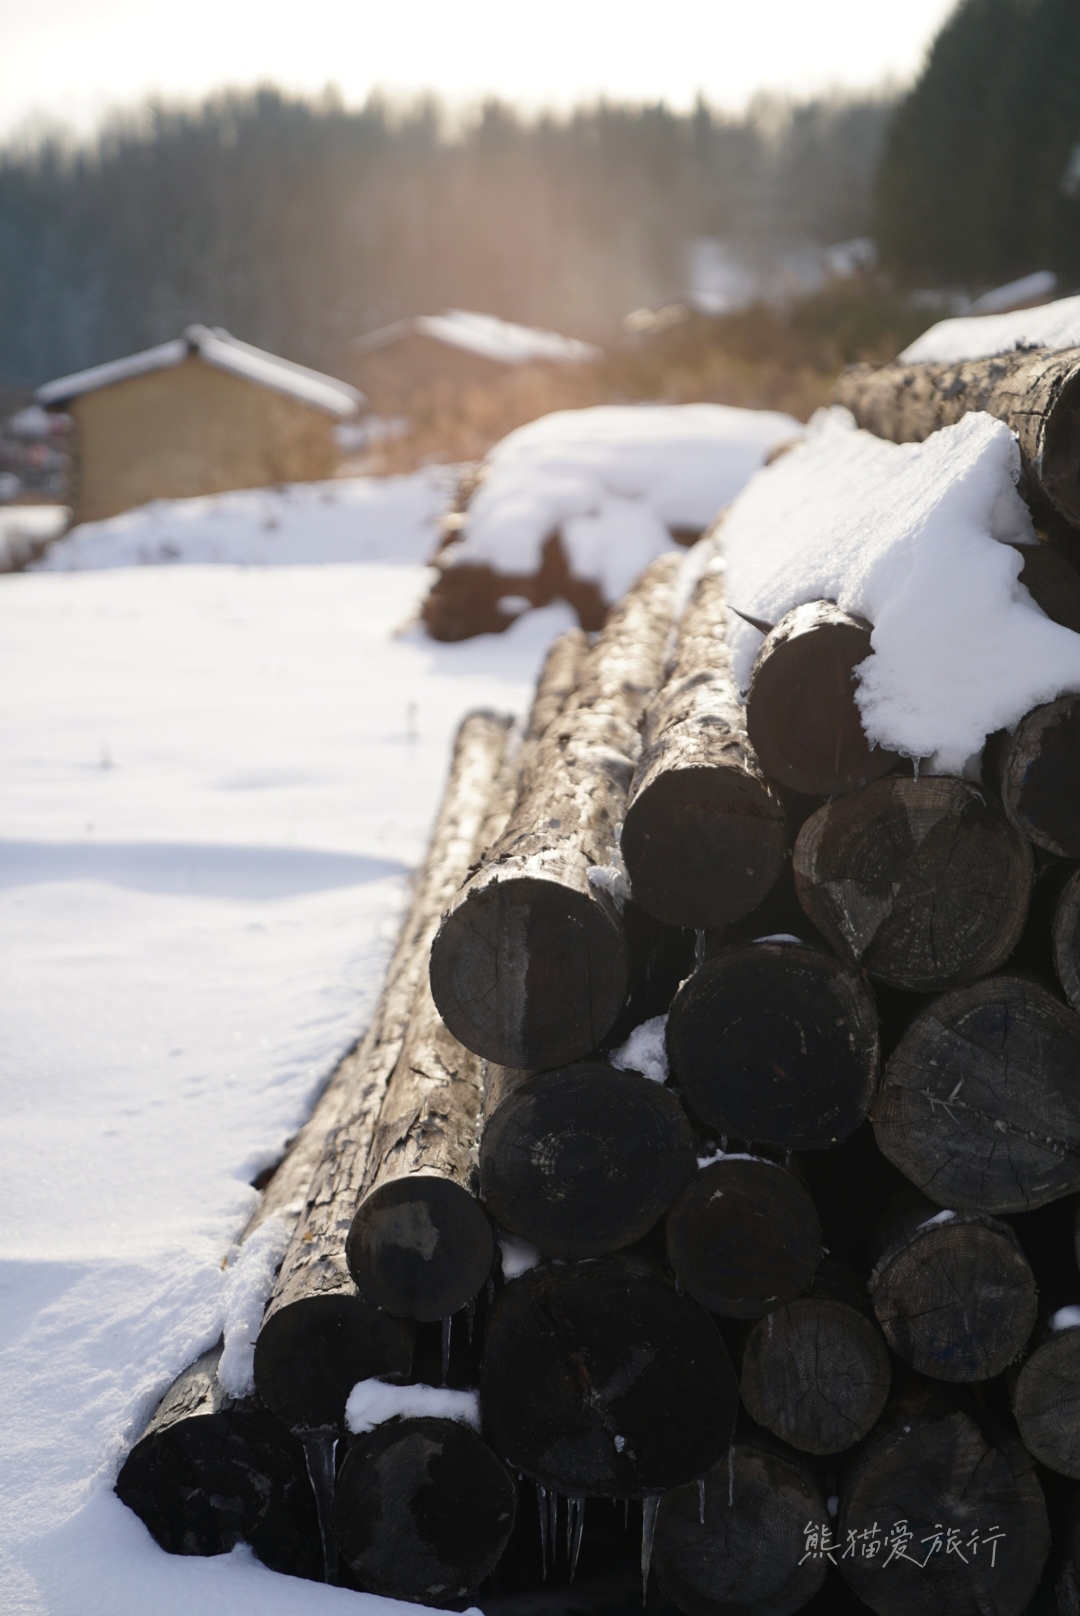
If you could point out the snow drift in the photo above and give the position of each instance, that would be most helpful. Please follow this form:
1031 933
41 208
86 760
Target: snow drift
1054 325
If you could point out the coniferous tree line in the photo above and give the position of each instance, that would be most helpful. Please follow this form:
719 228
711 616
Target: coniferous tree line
980 174
299 224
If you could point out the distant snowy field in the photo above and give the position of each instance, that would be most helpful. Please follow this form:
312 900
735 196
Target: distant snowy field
215 782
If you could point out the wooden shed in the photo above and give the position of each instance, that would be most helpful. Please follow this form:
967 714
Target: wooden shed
454 349
198 415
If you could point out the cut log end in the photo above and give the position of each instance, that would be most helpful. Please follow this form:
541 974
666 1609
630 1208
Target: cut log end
816 1373
919 882
1046 1402
599 1380
1040 777
703 847
310 1354
957 1300
584 1160
1066 939
801 714
741 1545
420 1247
564 983
776 1043
422 1510
743 1236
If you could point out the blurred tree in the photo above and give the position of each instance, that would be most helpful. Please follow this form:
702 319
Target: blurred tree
980 175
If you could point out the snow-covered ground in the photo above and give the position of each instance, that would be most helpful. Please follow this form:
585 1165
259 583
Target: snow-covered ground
215 782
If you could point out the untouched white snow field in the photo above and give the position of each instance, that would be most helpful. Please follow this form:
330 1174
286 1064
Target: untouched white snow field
215 781
915 538
300 524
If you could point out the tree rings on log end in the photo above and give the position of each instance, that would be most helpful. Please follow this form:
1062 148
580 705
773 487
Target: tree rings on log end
742 1550
1040 776
909 1489
1046 1402
703 846
422 1509
600 1380
919 882
957 1300
776 1043
529 972
816 1373
801 714
310 1354
420 1246
978 1104
743 1236
210 1472
584 1160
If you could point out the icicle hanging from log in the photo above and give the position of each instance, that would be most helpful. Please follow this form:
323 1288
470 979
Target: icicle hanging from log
530 965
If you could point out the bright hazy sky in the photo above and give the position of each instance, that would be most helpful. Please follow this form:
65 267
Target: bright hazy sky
73 59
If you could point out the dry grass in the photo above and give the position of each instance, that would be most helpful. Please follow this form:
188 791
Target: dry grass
762 359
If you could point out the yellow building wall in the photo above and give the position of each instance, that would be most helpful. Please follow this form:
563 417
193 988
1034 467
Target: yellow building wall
191 430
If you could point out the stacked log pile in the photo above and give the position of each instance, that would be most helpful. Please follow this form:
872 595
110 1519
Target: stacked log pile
718 1125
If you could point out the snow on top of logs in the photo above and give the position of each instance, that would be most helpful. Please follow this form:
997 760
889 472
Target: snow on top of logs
373 1402
916 539
973 336
615 481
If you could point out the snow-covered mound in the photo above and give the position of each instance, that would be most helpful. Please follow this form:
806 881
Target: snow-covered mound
615 482
1054 325
914 537
347 519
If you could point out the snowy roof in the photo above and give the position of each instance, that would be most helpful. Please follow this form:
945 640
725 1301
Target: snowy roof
484 334
1054 325
224 352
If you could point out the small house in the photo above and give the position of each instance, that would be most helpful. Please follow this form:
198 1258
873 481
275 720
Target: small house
455 349
198 415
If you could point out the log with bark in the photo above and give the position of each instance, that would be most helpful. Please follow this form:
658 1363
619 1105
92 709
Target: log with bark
704 836
939 1518
422 1509
743 1236
211 1471
599 1379
1035 392
1046 1394
1038 769
801 714
977 1106
815 1371
530 966
776 1042
953 1291
921 883
736 1545
320 1335
584 1160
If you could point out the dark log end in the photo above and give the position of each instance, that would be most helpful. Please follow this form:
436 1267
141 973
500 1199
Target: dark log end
422 1510
1040 777
744 1236
801 714
421 1247
958 1300
749 1553
529 973
1046 1402
703 847
310 1354
584 1160
235 1475
919 882
628 1388
1066 939
776 1043
816 1373
1060 469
